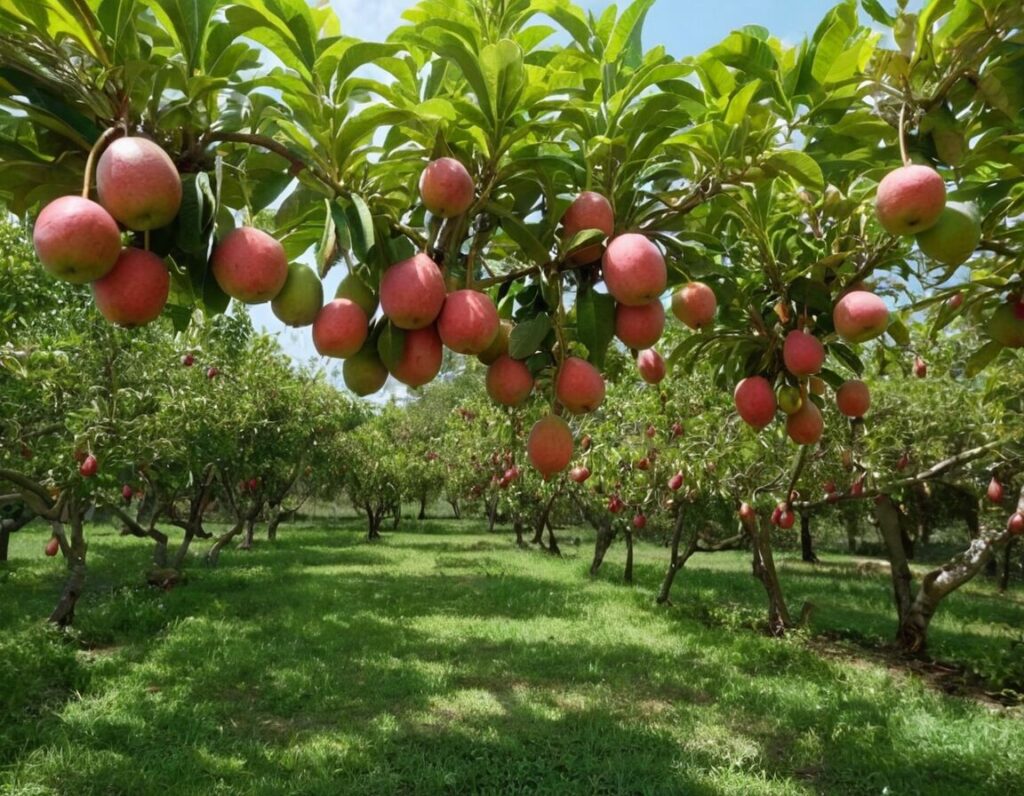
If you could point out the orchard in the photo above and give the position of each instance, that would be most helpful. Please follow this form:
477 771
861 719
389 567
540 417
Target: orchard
584 313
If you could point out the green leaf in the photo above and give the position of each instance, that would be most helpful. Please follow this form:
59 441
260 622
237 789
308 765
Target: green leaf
360 224
982 358
583 239
595 324
527 336
624 43
800 166
846 355
327 248
520 233
502 68
390 345
898 331
875 10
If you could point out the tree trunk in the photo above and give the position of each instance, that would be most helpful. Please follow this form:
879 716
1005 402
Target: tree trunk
492 515
182 551
517 526
553 542
888 517
627 574
603 540
396 513
423 508
852 530
924 526
64 612
5 540
276 516
763 566
374 516
250 532
806 542
456 511
1004 569
213 556
677 561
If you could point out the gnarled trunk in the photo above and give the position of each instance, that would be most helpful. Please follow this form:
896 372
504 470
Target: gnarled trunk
627 574
553 542
806 542
763 567
423 508
1004 569
888 516
64 612
677 561
517 526
456 510
13 525
213 556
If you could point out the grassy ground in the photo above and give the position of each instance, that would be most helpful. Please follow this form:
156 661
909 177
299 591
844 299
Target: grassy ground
448 661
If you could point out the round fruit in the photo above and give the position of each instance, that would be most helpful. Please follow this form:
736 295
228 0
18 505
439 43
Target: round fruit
953 238
651 366
853 398
446 188
675 482
549 446
860 316
135 290
640 326
816 385
579 386
1006 326
138 184
76 239
509 381
755 401
694 304
355 289
52 547
89 466
468 322
786 519
995 491
412 292
790 399
910 199
498 346
421 358
802 353
340 329
639 522
301 298
920 368
634 270
805 426
747 513
1016 524
363 372
579 474
249 265
588 211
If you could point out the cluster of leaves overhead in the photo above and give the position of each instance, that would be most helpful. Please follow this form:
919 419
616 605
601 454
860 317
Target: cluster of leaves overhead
753 163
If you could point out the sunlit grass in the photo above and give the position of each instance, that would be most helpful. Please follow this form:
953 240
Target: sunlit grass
453 662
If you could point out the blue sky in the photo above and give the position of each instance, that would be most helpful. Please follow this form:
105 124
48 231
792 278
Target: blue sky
684 27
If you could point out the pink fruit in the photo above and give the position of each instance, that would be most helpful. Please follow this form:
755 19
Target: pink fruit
585 443
643 464
640 326
76 239
677 430
634 270
1016 524
755 401
249 265
920 368
802 353
786 519
910 199
127 493
830 487
135 290
857 487
549 446
675 482
805 425
694 304
853 398
340 329
747 513
188 360
955 301
446 188
650 431
52 547
212 373
994 491
579 386
468 322
903 462
89 466
860 316
615 504
412 292
588 211
509 381
651 366
421 358
639 522
138 184
579 474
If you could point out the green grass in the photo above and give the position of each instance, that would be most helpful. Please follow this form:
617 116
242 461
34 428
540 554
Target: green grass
448 661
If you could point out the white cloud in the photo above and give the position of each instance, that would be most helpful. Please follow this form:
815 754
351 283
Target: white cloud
371 20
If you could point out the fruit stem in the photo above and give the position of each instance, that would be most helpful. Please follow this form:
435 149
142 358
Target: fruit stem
903 135
109 134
